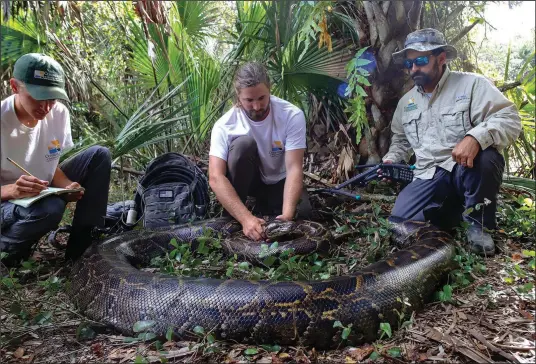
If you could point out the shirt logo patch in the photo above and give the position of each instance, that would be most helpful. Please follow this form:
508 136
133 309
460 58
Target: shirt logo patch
411 105
277 145
277 148
54 150
461 97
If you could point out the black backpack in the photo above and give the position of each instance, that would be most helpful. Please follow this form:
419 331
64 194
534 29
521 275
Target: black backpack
173 190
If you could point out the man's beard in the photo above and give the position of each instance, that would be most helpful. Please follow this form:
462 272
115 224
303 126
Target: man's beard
257 115
421 78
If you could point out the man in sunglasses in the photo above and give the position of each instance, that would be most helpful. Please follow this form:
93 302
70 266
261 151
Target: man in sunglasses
456 124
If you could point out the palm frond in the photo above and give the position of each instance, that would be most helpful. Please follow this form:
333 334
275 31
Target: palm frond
19 38
151 120
196 18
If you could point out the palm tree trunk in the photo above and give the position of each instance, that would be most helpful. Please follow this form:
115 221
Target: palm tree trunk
384 25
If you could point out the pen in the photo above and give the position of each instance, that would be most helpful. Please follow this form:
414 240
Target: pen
19 166
24 170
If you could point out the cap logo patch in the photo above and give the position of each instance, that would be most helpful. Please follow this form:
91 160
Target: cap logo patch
47 76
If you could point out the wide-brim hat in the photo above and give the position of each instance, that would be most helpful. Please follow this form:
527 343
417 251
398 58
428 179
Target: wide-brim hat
424 40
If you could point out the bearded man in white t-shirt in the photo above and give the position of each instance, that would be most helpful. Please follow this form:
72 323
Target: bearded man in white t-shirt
257 149
35 131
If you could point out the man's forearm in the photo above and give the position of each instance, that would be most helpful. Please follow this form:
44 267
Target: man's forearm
226 194
60 179
292 192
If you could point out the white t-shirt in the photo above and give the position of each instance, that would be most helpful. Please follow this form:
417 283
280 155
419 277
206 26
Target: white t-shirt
37 149
283 129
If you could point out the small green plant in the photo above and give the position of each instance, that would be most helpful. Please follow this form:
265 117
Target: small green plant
483 290
516 216
402 313
385 330
207 340
143 330
517 275
357 78
85 332
346 330
52 285
445 295
531 253
479 206
470 266
251 351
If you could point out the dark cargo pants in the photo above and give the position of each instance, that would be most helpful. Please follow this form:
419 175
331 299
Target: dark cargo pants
443 199
23 227
243 173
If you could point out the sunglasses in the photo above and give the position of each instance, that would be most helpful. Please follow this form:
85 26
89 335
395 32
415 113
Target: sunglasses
419 62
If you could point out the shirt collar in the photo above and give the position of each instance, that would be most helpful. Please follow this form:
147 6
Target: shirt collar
439 85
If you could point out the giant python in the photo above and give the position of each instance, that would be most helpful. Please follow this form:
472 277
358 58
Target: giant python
107 287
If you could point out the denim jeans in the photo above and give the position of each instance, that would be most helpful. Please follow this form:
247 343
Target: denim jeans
442 199
23 227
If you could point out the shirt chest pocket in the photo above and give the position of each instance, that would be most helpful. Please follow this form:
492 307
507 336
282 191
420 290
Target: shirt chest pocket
455 123
413 128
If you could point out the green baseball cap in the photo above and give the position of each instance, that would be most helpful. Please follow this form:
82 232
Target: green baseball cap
43 76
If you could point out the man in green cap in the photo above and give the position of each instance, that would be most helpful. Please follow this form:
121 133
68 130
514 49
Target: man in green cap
35 131
457 124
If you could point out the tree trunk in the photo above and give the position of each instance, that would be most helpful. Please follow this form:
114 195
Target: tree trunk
383 26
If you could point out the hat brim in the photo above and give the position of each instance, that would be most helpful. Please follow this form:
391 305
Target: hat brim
452 53
40 92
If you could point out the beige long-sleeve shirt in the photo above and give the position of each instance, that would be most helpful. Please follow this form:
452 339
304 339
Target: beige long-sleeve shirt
462 104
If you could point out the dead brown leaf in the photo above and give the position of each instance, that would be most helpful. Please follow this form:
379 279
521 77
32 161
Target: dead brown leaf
18 353
169 344
517 257
284 356
526 314
233 355
276 359
423 357
96 348
265 360
128 357
361 353
346 162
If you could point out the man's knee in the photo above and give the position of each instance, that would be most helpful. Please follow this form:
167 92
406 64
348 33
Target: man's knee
421 194
46 213
489 160
242 152
404 207
243 146
100 154
30 224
